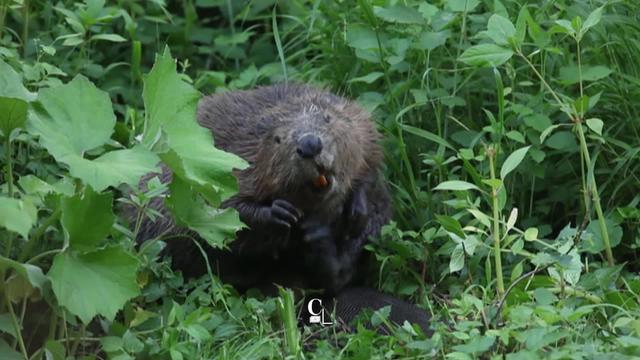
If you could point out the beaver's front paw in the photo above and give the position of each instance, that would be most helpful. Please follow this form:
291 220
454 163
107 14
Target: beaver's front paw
282 214
357 213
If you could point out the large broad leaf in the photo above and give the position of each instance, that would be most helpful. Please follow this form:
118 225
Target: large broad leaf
14 98
171 106
486 55
98 282
216 226
74 118
87 218
18 216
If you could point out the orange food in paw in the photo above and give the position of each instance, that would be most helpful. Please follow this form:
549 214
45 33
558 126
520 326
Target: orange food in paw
320 181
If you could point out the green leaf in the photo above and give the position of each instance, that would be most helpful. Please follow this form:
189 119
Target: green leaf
562 140
595 125
538 121
399 14
592 20
477 344
462 5
87 218
11 84
369 78
17 215
216 226
13 114
486 55
427 135
570 75
430 40
31 273
77 117
456 185
451 225
456 263
362 38
500 29
594 244
109 37
512 161
521 25
171 106
531 234
115 167
14 98
94 283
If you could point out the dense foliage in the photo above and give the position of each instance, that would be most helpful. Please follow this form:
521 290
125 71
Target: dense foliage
511 130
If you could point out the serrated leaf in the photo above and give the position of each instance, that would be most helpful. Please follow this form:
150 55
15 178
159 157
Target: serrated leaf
17 215
87 218
171 106
456 185
486 55
595 125
216 226
94 283
513 160
500 29
74 118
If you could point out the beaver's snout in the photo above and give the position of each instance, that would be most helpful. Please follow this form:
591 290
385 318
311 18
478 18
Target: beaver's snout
309 146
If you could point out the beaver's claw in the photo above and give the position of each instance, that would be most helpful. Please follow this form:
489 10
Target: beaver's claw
283 213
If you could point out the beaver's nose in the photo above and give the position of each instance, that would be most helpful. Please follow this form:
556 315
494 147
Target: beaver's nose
309 146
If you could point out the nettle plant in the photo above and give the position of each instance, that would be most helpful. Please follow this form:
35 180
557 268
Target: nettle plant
63 246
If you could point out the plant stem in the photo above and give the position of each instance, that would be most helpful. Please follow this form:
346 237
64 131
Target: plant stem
496 223
9 153
25 26
594 194
16 326
585 153
3 14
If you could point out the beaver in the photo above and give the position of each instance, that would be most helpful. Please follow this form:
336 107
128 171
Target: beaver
311 196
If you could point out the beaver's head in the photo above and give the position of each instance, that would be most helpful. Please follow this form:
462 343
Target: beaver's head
315 150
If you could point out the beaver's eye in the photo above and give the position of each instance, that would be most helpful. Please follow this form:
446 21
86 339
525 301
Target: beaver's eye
277 139
327 118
